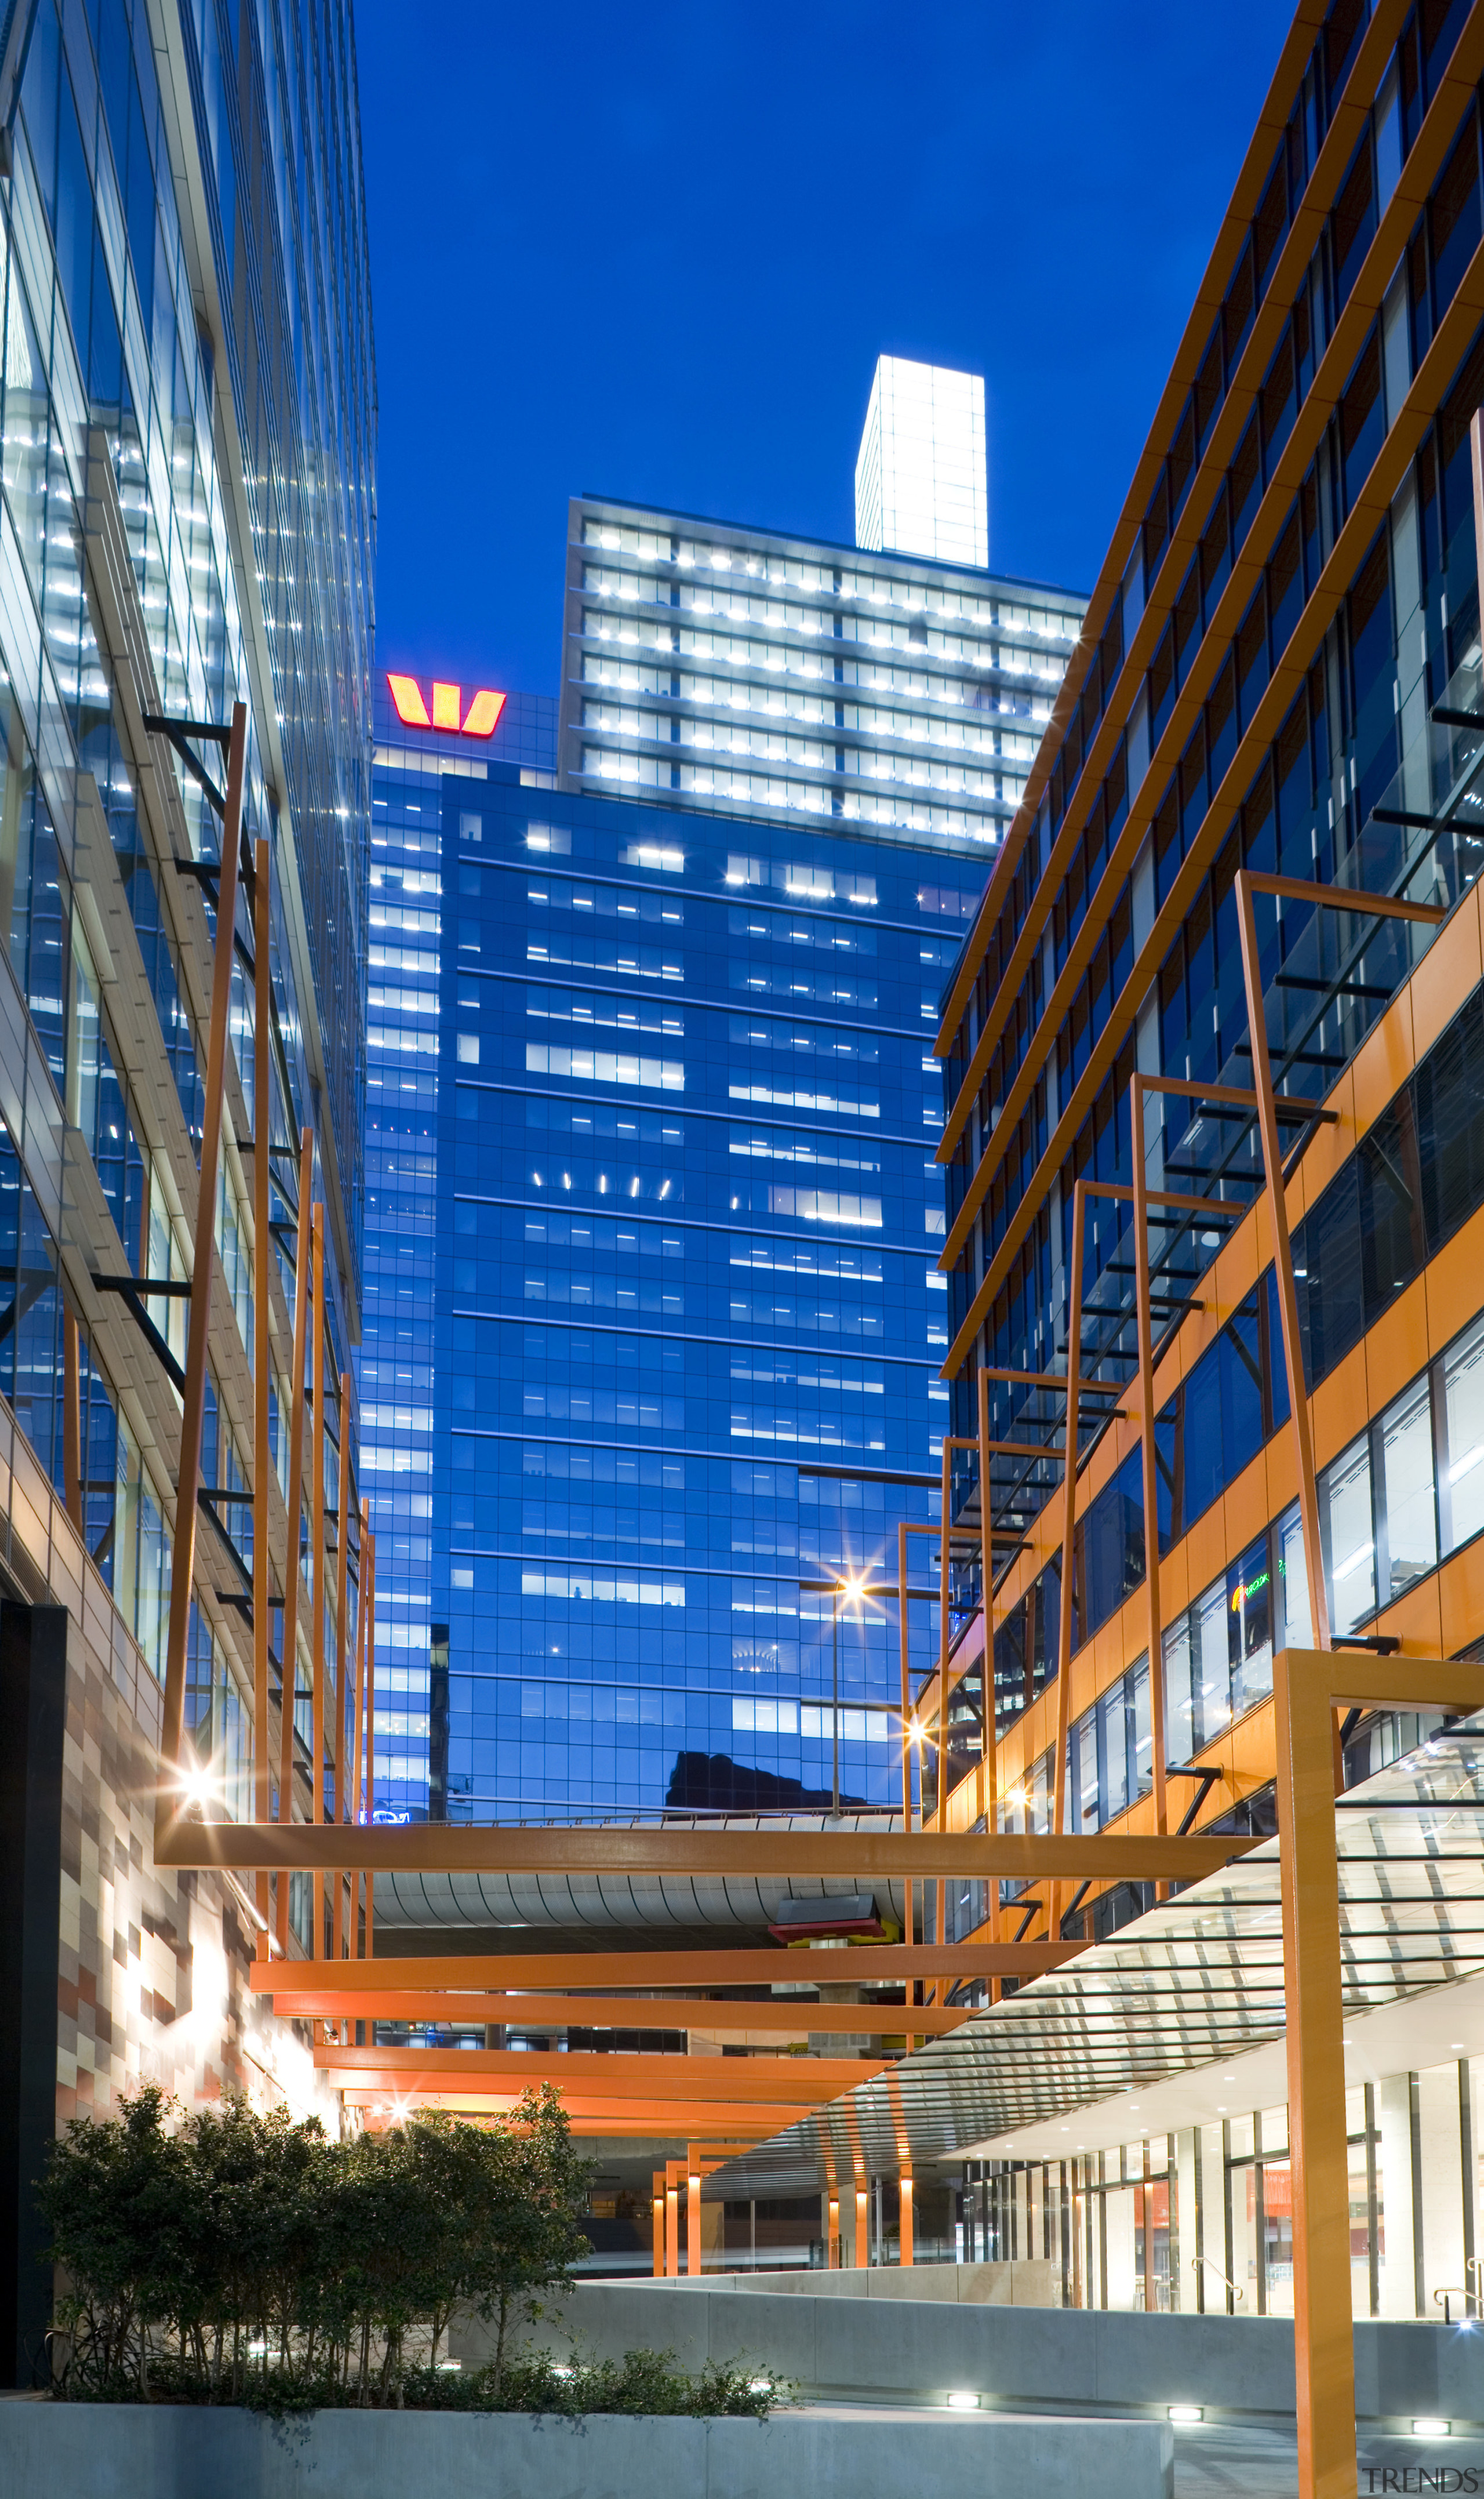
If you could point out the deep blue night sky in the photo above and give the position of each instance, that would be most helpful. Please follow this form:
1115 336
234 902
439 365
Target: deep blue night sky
655 251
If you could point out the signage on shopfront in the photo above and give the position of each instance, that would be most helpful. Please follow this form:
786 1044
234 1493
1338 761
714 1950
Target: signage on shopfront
481 719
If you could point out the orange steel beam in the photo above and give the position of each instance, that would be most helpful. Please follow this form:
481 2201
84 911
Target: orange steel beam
262 1348
317 1564
1338 898
643 2121
747 1965
1308 1685
1069 1509
360 1704
364 1859
809 2079
331 2002
341 1598
1145 1334
988 1763
760 1854
905 1664
193 1418
290 1669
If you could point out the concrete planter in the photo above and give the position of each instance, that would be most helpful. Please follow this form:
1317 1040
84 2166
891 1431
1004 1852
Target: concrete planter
171 2451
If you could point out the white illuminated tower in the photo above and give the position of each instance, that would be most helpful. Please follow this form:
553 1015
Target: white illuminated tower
921 483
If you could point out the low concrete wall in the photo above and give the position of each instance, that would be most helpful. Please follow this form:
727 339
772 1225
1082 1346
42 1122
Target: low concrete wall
1067 2360
1030 2282
121 2451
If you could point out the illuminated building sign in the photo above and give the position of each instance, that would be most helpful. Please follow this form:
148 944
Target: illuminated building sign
479 721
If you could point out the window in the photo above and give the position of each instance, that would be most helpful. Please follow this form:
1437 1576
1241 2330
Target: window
1461 1455
1347 1538
1407 1508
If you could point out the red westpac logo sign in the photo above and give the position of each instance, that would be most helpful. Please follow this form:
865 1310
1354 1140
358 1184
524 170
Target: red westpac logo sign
479 721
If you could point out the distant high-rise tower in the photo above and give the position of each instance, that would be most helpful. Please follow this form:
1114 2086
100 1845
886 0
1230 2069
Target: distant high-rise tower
920 484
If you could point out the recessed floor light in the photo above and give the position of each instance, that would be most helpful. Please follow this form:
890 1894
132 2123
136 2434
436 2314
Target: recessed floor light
962 2401
1427 2428
1185 2412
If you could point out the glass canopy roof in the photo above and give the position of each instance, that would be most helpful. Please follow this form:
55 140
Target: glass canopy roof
1198 1978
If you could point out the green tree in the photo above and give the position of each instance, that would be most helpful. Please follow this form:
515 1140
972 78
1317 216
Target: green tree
527 2237
119 2199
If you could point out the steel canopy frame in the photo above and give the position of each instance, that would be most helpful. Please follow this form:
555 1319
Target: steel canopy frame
761 1854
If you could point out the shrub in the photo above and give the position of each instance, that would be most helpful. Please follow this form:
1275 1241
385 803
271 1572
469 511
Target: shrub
240 2258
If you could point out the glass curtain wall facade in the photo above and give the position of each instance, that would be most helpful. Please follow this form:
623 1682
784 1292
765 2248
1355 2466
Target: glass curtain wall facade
685 1319
786 679
185 520
1281 671
404 1048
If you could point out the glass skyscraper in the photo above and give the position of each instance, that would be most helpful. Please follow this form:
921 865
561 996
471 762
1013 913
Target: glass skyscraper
406 918
654 1318
187 410
188 419
687 1321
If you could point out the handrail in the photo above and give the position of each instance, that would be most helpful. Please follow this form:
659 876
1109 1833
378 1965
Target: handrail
1453 2290
1196 2262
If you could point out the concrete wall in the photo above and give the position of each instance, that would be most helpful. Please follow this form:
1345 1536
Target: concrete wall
1062 2360
116 2451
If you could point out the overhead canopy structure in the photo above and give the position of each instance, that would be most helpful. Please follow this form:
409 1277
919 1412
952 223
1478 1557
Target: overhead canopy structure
1197 1979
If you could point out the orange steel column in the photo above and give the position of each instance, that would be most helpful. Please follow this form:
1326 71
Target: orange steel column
903 2171
945 1555
693 2222
342 1598
355 1753
656 2200
990 1774
1324 2349
1282 1264
671 2221
902 1648
369 1575
290 1676
193 1419
1068 1548
1069 1509
71 1417
831 2198
262 1351
1146 1334
318 1561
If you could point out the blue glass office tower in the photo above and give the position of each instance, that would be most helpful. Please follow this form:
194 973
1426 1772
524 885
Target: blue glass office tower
404 924
685 1316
